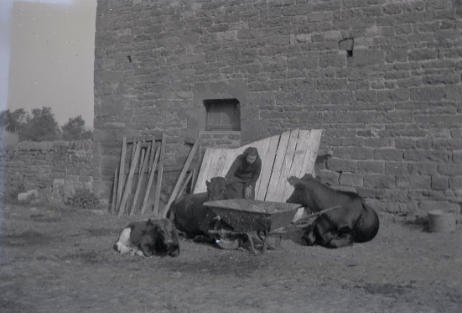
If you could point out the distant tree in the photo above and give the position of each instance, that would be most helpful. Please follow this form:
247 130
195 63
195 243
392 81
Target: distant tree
13 121
74 129
41 126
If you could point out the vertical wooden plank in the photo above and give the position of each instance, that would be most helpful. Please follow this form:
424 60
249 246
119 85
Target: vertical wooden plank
278 163
152 170
314 141
223 162
288 160
160 173
202 175
193 178
302 146
121 181
262 148
113 206
143 165
128 185
173 195
268 158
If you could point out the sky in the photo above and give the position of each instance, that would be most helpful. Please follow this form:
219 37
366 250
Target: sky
47 56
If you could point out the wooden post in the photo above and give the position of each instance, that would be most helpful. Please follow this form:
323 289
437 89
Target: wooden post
181 178
143 165
160 173
150 180
128 185
121 181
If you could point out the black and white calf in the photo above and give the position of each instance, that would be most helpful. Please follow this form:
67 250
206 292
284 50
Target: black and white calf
148 238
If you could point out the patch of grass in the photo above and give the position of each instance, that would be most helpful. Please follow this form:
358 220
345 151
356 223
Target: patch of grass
84 199
26 238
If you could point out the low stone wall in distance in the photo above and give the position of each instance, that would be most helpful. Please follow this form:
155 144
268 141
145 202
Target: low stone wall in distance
55 169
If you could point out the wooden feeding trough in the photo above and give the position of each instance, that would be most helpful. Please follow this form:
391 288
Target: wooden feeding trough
245 215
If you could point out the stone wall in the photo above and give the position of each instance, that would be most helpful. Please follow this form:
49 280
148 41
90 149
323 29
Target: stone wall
56 169
381 77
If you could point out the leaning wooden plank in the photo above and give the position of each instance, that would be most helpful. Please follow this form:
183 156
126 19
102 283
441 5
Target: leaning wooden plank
184 184
114 191
121 181
173 195
160 174
128 185
143 152
143 164
132 156
150 180
268 158
278 163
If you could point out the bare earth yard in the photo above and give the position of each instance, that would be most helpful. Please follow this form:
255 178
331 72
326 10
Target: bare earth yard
61 260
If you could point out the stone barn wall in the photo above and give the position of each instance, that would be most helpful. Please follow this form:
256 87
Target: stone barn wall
381 77
56 169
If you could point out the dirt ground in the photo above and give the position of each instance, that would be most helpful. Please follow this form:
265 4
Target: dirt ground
61 260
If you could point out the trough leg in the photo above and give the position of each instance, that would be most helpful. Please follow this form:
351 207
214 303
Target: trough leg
265 244
252 245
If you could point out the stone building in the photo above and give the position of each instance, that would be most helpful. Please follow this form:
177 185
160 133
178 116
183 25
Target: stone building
381 77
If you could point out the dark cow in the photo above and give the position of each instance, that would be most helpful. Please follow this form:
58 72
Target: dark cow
191 217
148 238
346 219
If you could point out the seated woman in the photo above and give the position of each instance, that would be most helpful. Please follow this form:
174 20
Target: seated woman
243 174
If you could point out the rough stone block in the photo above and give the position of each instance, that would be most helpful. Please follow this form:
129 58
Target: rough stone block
440 182
379 181
450 169
388 154
366 57
420 181
371 167
340 165
349 179
422 168
457 156
396 168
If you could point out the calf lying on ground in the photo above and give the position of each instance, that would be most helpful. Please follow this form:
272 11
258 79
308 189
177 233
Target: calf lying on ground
346 218
148 238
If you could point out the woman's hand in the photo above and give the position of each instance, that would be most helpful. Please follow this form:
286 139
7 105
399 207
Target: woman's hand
248 192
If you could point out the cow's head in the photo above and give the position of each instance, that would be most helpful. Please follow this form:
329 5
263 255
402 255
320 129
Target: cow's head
309 236
161 239
216 188
302 187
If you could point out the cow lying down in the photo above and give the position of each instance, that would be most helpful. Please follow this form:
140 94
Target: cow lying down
148 238
344 218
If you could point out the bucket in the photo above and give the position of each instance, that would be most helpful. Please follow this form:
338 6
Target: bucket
441 222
